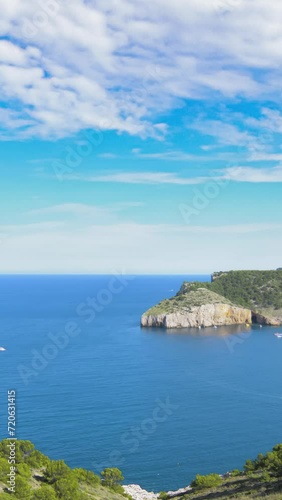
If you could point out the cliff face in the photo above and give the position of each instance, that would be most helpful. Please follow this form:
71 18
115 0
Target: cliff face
205 315
196 308
266 319
233 297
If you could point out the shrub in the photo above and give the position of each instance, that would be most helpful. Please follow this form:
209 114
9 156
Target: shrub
249 467
265 477
235 473
209 481
24 471
163 495
111 477
23 490
45 493
55 470
67 489
86 476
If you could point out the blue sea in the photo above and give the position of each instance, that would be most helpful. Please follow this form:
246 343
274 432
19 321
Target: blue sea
96 390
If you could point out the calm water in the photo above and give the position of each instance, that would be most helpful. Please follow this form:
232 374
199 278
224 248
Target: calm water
98 402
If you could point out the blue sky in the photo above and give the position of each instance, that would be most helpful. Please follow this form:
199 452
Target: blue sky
140 137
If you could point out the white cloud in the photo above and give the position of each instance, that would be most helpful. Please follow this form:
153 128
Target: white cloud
234 174
83 211
170 156
140 178
256 175
73 63
140 248
76 209
225 133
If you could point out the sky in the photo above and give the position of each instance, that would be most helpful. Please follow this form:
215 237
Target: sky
140 137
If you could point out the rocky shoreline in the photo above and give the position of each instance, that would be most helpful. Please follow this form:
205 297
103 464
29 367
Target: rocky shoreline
138 493
201 316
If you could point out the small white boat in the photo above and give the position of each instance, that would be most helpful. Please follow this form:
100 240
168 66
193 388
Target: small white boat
215 326
278 335
2 349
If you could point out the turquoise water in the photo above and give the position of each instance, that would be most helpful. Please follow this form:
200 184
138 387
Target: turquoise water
160 405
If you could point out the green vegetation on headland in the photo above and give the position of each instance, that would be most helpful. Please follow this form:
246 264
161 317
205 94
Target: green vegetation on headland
254 290
30 475
39 478
257 291
184 301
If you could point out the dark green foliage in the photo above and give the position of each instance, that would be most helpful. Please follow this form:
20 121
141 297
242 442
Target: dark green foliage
55 470
209 481
39 478
235 473
44 493
24 471
271 462
249 467
86 476
67 488
4 469
265 477
112 477
23 489
163 495
251 289
25 453
37 459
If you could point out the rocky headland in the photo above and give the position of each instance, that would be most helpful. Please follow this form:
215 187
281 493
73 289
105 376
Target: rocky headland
200 308
232 298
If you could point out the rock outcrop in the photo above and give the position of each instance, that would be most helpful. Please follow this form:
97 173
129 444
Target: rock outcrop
200 308
264 319
206 315
137 493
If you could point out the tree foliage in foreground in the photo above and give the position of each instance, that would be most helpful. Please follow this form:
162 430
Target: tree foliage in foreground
57 480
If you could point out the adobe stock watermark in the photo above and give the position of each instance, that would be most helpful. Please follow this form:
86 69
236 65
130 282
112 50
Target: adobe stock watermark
232 341
47 11
132 439
76 154
59 341
202 197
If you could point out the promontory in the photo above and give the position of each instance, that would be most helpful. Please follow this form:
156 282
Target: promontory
233 297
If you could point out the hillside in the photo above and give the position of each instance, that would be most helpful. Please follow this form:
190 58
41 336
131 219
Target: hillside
39 478
195 307
252 289
257 291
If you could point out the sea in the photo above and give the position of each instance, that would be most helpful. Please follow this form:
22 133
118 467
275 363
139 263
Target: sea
97 390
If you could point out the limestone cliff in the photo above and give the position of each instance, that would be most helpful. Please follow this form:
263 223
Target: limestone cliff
196 308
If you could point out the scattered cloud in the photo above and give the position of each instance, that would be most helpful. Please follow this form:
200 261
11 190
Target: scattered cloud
171 156
84 210
255 175
226 133
235 174
65 66
140 178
